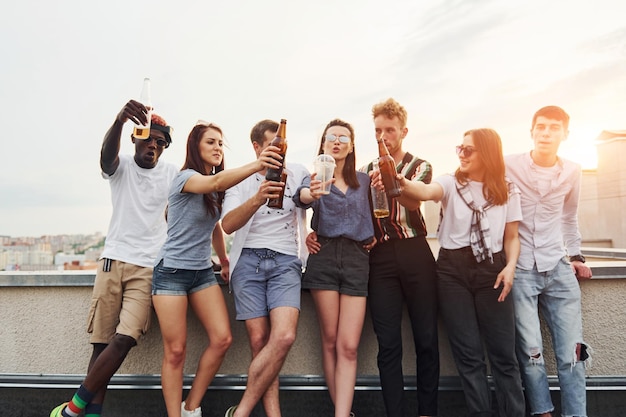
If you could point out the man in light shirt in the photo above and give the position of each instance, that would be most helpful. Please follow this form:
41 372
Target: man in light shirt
548 267
266 261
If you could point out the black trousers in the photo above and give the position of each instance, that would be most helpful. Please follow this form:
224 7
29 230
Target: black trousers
475 322
403 272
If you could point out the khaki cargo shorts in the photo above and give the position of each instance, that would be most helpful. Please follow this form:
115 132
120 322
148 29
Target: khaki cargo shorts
121 301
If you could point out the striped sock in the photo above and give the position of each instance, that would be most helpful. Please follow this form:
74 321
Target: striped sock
78 403
93 410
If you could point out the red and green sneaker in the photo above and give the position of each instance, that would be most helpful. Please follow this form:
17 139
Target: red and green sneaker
57 411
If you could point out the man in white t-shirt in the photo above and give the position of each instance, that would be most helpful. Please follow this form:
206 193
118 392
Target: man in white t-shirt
266 261
121 300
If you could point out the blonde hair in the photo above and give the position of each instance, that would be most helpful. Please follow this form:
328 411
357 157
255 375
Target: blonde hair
390 109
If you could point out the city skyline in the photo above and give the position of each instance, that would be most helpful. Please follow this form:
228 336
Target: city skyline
454 65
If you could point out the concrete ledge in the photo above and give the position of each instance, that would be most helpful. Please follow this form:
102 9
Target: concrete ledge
605 253
43 317
615 269
47 279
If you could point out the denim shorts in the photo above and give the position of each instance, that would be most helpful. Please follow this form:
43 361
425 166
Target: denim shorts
264 279
341 265
175 281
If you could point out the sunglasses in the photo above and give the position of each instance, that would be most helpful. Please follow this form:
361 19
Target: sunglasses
332 138
201 122
465 151
160 142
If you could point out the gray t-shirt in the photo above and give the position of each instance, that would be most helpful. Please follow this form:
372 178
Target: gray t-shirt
189 228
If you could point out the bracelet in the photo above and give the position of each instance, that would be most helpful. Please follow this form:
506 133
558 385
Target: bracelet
224 261
578 258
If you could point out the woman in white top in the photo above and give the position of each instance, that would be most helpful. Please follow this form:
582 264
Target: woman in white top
475 269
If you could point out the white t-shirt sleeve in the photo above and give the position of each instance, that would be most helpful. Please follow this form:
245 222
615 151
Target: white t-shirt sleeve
232 199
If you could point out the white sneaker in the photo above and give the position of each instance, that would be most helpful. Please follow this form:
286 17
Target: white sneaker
185 413
231 411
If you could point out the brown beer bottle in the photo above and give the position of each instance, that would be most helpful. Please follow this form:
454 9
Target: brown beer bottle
280 140
277 203
388 172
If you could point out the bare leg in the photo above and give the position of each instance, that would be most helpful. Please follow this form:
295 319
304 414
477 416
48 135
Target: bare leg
172 314
351 318
258 335
104 363
341 322
266 365
210 308
327 307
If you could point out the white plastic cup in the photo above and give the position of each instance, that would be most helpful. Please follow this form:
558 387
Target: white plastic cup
324 167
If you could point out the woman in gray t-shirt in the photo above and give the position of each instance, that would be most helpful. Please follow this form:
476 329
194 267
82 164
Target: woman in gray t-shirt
183 274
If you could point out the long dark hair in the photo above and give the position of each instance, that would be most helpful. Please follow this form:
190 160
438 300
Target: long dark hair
194 161
349 167
489 150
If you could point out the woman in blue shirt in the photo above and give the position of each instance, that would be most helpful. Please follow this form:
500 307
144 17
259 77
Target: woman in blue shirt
337 274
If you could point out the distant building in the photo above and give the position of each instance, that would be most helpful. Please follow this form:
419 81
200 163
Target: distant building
10 260
68 258
603 196
37 253
24 258
77 265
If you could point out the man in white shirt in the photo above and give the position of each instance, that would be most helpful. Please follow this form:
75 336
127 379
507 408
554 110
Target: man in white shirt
121 301
548 266
266 261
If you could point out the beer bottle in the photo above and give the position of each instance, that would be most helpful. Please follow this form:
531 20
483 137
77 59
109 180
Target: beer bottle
143 132
280 140
277 203
388 172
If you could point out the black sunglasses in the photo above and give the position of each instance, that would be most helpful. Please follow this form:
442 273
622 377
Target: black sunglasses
465 151
160 142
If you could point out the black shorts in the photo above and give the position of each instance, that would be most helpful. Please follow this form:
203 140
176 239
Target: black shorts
340 265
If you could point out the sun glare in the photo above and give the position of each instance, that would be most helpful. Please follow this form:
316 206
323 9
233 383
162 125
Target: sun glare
580 147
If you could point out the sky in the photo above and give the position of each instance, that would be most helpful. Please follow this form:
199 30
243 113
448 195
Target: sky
68 67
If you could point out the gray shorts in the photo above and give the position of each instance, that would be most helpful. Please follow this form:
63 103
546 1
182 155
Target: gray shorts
340 265
264 279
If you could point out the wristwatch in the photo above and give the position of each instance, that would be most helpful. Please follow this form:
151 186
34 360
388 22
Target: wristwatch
578 258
